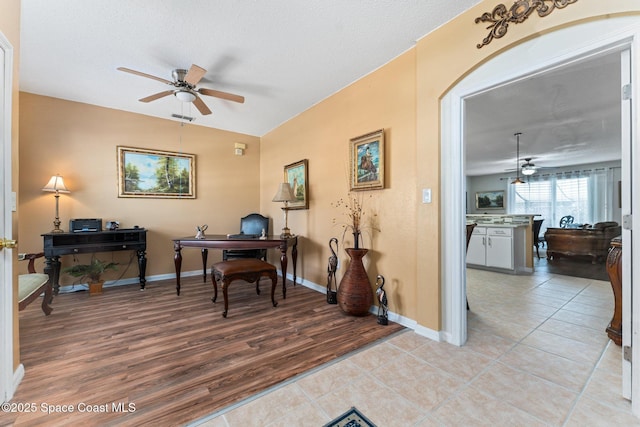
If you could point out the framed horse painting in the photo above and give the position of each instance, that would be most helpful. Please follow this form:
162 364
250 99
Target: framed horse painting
367 161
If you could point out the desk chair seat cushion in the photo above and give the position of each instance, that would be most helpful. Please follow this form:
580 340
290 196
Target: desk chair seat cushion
249 270
30 287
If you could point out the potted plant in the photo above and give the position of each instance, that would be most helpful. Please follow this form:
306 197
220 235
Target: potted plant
93 272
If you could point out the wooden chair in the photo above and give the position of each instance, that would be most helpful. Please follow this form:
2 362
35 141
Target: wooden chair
470 228
537 224
565 221
32 285
250 225
250 270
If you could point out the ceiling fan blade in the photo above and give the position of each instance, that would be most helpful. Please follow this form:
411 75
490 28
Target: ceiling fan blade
194 74
140 73
223 95
201 106
156 96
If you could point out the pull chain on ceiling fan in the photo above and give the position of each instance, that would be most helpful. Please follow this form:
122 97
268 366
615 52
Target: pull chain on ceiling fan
518 180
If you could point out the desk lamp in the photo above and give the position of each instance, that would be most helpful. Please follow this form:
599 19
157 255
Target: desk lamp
56 184
285 194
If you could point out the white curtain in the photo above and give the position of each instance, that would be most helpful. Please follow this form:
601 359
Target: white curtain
586 195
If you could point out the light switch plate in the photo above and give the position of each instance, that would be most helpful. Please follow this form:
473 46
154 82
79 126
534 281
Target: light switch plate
426 195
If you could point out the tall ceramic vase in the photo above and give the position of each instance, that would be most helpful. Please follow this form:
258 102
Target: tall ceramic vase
355 296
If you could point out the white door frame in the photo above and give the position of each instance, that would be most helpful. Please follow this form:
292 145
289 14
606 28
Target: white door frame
535 56
7 386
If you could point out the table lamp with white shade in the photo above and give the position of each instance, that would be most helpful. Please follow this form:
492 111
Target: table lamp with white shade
285 194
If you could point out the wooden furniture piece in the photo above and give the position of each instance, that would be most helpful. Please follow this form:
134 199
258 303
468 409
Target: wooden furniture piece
222 241
251 225
614 269
59 244
250 270
590 242
33 284
537 224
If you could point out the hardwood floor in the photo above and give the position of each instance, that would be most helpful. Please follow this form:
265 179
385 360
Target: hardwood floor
174 358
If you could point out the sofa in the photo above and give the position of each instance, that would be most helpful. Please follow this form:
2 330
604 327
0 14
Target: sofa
591 241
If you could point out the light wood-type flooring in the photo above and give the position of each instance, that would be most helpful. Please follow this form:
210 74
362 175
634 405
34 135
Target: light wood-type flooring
132 357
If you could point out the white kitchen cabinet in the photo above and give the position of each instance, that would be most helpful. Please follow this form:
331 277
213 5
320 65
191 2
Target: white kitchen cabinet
497 248
476 252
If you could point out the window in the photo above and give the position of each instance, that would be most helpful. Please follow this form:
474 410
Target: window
584 195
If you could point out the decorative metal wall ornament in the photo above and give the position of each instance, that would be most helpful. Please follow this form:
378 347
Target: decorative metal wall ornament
517 14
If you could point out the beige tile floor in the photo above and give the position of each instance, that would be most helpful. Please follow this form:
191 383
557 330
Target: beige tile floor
537 355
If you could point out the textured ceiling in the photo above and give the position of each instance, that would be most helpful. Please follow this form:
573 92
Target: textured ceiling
284 56
569 116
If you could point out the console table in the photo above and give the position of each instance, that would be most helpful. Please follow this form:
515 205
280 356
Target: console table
222 241
58 244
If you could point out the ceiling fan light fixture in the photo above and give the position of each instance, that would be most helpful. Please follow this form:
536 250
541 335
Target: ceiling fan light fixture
185 95
528 170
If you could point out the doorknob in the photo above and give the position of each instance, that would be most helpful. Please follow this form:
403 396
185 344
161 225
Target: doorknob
9 244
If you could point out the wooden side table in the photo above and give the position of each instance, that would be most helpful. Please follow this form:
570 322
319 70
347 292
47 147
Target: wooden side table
614 269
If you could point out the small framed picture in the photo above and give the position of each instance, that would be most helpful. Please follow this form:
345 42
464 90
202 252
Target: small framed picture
156 174
297 175
490 199
367 161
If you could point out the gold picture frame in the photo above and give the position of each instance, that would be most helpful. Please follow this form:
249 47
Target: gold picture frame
367 161
297 175
156 174
490 199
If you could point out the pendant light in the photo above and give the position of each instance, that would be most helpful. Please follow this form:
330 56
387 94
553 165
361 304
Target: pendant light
518 180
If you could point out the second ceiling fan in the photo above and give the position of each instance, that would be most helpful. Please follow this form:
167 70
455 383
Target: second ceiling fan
184 82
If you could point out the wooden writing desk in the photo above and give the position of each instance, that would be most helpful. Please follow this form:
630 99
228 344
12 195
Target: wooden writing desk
58 244
222 241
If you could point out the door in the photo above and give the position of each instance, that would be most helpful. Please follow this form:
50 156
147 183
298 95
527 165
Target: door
476 254
629 381
6 274
499 252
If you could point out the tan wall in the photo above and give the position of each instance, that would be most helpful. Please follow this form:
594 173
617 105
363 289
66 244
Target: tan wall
404 98
384 99
79 141
10 27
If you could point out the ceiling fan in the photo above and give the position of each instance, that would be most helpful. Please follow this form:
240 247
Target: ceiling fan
185 90
528 168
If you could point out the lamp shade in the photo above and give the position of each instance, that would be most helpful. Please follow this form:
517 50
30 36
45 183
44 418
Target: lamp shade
284 194
56 184
528 170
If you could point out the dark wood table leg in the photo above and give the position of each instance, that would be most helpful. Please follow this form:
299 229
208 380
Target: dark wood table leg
142 268
52 268
283 267
205 253
294 258
177 260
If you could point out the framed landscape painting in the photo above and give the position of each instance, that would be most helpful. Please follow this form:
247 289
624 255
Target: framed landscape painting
297 175
367 161
156 174
490 200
